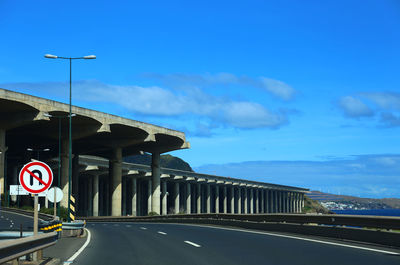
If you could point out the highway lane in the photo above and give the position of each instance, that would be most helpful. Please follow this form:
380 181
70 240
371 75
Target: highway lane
10 221
145 243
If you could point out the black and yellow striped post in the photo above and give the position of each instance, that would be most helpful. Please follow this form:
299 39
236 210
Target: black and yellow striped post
72 208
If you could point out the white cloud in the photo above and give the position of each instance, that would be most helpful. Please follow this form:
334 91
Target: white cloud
274 87
278 88
354 107
160 101
385 100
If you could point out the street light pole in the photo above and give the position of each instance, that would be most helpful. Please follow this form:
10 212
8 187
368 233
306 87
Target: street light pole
50 56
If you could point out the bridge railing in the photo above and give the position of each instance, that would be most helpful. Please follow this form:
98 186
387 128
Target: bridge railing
365 229
378 222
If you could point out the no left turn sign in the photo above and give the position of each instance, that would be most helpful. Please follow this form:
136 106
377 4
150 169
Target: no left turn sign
36 177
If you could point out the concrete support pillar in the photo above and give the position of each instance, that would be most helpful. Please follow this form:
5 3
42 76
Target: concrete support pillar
124 191
208 194
64 172
3 150
262 201
257 199
293 203
239 210
281 202
149 195
176 197
96 196
302 202
164 198
267 201
134 197
251 201
115 170
276 203
155 177
216 199
288 204
198 197
90 196
245 204
225 199
188 198
232 199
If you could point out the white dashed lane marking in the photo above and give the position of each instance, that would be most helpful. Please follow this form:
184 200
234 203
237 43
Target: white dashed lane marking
193 244
143 228
162 233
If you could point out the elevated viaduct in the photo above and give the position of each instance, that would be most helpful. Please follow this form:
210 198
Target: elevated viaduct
102 183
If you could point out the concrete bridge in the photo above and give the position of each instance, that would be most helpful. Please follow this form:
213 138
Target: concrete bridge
102 183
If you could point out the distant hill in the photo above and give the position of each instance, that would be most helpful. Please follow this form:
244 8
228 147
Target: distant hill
166 161
386 203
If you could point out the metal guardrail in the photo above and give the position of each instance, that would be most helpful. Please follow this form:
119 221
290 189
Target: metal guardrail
13 249
379 222
42 216
74 225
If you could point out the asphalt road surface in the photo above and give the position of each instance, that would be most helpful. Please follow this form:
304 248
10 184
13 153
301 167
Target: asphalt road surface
163 244
11 221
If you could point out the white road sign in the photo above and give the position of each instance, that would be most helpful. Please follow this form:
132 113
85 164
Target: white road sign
59 194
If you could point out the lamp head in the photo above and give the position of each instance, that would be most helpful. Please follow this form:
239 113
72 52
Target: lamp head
89 57
50 56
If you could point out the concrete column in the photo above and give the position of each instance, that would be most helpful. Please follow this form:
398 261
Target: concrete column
134 197
239 210
198 197
267 201
107 196
251 201
245 204
164 197
96 196
280 202
176 197
149 195
216 199
115 170
257 199
90 196
124 196
225 200
64 172
293 202
262 201
302 202
288 204
208 198
155 176
3 150
232 199
188 198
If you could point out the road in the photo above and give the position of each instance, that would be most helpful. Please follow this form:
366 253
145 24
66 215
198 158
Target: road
11 221
145 244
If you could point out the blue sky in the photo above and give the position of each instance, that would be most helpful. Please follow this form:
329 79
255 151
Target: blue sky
301 93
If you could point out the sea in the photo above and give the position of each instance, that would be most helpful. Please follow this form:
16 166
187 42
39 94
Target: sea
380 212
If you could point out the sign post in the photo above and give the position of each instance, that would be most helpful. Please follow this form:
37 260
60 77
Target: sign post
36 177
55 195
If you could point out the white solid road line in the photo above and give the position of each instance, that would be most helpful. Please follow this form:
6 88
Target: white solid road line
73 257
309 239
162 233
191 243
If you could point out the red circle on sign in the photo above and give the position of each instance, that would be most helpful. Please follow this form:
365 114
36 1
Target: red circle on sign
25 169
